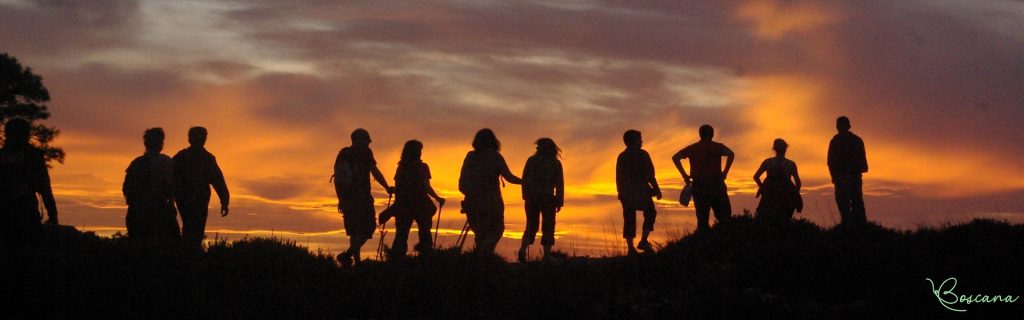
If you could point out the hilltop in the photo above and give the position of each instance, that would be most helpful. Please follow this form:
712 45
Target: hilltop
745 269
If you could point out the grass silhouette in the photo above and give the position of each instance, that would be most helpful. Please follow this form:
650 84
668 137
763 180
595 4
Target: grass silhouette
744 269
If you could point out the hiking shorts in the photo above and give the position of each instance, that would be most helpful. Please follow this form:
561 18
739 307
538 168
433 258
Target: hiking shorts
359 217
629 209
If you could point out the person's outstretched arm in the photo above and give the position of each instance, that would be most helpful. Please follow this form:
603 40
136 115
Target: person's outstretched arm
506 173
677 160
430 189
729 157
220 186
379 176
432 193
527 173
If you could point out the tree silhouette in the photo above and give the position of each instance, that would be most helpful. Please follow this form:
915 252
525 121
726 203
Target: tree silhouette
22 95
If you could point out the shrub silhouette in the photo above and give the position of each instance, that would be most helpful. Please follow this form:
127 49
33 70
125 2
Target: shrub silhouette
742 269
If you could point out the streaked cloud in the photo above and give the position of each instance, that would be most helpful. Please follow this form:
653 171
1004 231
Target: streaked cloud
934 87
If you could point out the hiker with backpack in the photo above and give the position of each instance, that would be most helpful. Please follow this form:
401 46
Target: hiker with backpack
149 192
479 182
412 200
544 193
780 191
636 184
352 169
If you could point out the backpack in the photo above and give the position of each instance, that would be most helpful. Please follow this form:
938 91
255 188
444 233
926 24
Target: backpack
472 178
343 174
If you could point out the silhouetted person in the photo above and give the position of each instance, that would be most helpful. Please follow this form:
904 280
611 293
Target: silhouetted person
846 162
780 191
23 174
707 176
478 181
544 193
635 182
412 199
354 199
149 191
195 170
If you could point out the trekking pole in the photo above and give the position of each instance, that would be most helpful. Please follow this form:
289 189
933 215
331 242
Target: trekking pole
462 236
380 245
383 232
437 227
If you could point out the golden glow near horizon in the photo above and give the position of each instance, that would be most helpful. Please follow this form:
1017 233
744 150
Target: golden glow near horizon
280 90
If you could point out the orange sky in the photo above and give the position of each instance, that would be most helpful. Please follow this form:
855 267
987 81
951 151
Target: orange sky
933 88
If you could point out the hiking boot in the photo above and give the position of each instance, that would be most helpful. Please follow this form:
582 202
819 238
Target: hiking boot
345 258
422 248
645 246
631 252
521 255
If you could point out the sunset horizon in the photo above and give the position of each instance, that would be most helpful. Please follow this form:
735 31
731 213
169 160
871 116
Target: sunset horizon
280 86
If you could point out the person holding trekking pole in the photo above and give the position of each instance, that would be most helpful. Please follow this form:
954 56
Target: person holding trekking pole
412 200
352 170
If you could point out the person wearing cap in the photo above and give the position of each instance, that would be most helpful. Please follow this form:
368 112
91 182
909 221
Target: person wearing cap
149 192
23 174
354 199
195 170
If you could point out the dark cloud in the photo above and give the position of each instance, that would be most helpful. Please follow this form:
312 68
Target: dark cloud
54 27
278 188
932 76
300 75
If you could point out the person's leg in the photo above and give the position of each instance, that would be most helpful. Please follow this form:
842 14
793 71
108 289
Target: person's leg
533 210
856 193
193 223
488 236
401 243
133 224
628 225
702 204
424 225
788 214
355 246
548 224
360 225
491 225
499 229
650 216
169 230
703 215
842 192
721 204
